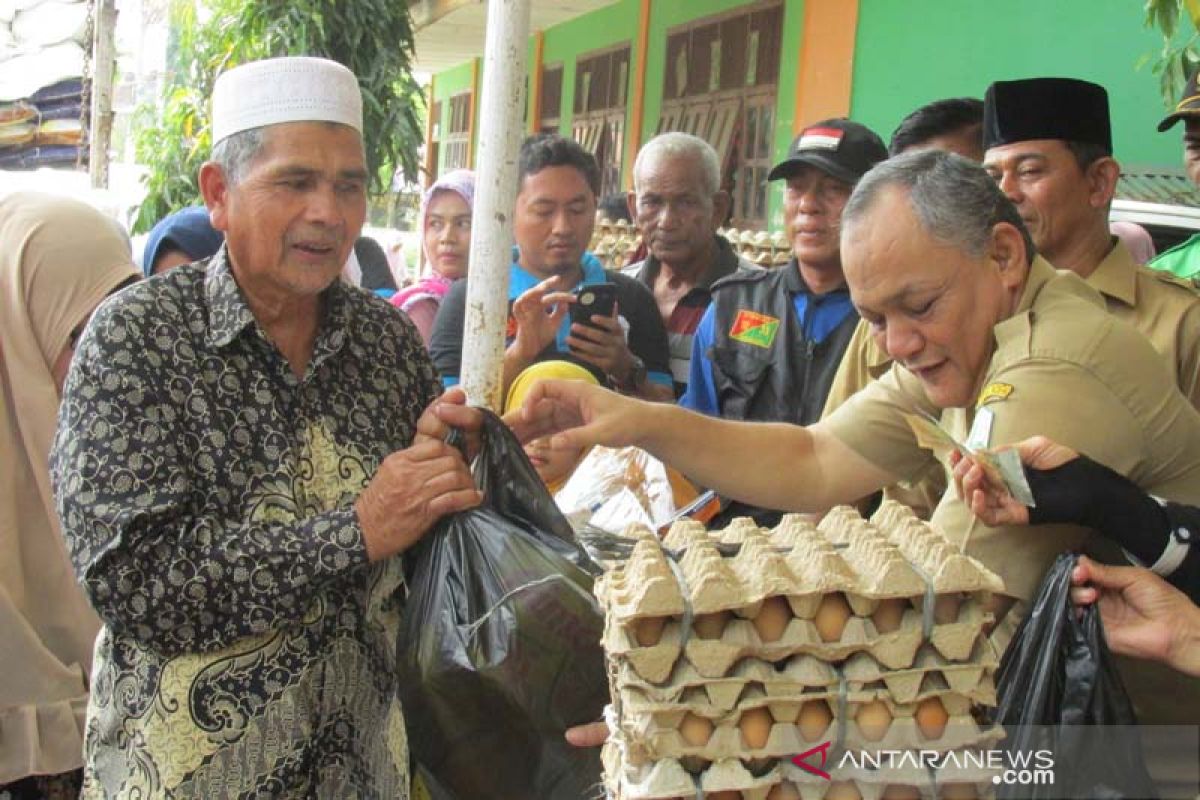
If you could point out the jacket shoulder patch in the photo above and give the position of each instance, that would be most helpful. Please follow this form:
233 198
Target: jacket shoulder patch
751 327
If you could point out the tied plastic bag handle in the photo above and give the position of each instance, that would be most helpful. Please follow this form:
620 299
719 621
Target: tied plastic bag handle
508 481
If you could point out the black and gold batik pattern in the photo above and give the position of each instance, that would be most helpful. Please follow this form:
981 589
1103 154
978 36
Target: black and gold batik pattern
206 496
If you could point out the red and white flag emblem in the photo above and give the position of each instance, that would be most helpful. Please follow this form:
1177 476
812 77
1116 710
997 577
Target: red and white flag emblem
820 138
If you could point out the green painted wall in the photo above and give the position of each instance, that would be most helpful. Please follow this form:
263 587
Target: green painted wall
909 53
448 83
957 48
618 23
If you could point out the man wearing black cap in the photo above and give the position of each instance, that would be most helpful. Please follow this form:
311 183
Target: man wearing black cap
1048 143
770 342
1183 259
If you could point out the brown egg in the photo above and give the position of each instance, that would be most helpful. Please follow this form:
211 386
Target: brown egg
725 794
711 626
842 790
831 617
931 718
897 791
783 791
755 725
945 608
772 619
873 720
695 730
888 614
648 630
957 791
813 720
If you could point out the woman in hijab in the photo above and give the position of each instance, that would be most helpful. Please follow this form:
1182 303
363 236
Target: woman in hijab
178 239
446 242
58 259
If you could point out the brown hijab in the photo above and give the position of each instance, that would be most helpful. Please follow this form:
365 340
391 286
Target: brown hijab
58 260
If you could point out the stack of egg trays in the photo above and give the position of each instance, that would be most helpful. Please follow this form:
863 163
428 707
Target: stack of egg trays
745 695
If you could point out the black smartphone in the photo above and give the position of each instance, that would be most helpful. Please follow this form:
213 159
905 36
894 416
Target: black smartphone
596 298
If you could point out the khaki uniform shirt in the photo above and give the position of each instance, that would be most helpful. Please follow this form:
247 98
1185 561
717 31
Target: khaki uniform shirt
1164 308
863 362
1064 368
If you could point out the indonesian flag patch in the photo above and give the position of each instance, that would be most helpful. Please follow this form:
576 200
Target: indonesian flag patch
820 139
750 327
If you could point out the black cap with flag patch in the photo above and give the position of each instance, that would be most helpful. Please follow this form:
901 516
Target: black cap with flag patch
1188 106
844 149
1046 108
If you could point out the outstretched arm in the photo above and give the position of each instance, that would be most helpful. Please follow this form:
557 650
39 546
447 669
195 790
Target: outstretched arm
774 465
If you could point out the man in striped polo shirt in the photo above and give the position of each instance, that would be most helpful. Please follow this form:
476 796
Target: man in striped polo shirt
677 205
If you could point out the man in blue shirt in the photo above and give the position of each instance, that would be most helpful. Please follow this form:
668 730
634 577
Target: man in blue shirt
555 214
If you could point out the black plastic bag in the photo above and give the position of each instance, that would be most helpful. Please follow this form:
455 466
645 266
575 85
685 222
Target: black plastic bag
1059 690
499 648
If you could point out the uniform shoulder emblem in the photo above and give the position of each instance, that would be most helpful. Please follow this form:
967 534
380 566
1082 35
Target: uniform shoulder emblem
751 327
994 393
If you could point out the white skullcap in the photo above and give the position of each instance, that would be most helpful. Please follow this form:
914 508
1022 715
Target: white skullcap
292 89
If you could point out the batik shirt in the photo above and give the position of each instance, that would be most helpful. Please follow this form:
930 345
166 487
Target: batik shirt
207 496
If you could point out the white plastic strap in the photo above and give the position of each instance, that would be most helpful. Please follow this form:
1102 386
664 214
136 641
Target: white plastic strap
1179 543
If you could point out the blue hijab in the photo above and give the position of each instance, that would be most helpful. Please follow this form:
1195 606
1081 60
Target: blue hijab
188 230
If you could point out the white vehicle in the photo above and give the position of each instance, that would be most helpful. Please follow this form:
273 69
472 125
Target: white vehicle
1163 201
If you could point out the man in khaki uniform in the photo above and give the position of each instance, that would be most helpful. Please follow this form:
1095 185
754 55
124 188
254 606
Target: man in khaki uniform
984 334
1049 145
956 126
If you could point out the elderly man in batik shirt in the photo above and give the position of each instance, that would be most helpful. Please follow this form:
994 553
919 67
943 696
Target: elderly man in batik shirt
242 454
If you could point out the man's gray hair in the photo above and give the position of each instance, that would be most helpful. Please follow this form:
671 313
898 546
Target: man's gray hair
675 144
957 202
235 153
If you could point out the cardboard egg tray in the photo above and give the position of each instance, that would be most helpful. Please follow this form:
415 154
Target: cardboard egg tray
804 677
802 565
713 658
658 734
727 779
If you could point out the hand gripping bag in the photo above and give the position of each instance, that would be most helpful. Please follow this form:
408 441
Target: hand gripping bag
1059 690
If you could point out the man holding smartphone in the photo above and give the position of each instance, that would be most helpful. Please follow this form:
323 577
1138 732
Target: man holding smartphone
614 331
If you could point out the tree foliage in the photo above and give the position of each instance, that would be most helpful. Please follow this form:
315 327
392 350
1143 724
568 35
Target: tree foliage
1179 22
373 38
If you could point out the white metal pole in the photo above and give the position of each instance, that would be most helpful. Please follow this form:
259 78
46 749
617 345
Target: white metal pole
103 65
501 112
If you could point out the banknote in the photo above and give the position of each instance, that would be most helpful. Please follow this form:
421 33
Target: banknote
1003 467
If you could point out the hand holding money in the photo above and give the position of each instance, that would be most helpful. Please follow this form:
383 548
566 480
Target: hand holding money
991 500
1000 470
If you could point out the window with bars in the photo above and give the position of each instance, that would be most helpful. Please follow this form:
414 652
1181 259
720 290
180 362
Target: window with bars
719 84
456 143
598 124
551 99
